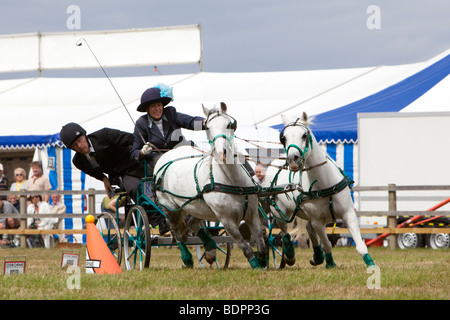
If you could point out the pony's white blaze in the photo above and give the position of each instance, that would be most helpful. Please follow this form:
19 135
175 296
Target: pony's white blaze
219 134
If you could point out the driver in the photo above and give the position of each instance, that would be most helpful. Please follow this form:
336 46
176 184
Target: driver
160 126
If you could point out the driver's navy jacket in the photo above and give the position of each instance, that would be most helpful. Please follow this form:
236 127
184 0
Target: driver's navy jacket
172 123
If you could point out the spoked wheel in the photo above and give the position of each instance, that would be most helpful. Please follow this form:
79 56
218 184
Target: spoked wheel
223 253
109 230
275 246
136 239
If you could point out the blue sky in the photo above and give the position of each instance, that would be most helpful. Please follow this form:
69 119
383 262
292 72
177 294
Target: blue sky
261 35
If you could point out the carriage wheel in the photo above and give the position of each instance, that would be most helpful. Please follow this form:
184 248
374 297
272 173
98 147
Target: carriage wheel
275 246
109 230
223 253
136 239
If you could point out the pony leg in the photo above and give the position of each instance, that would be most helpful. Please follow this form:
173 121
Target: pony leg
288 247
209 244
186 255
233 231
319 227
178 227
353 226
318 256
195 225
257 232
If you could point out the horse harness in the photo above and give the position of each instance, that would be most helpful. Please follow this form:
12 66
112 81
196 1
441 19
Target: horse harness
213 185
267 192
310 194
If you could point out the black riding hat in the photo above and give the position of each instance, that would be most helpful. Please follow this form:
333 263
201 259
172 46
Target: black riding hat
160 92
70 132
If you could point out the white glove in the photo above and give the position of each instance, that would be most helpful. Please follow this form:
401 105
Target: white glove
146 149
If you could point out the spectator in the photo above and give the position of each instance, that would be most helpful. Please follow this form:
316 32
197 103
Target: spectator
260 173
11 240
57 207
38 206
21 180
14 200
38 181
4 182
5 207
109 204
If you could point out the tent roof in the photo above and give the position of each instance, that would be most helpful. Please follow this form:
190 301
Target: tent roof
34 109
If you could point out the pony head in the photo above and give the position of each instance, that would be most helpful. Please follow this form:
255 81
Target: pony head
296 139
220 129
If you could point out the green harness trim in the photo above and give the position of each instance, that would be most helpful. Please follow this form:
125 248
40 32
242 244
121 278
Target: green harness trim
306 195
212 186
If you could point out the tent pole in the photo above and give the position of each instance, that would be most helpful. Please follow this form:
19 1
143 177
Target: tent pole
39 35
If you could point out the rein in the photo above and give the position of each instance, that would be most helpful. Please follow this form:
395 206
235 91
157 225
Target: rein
213 185
216 186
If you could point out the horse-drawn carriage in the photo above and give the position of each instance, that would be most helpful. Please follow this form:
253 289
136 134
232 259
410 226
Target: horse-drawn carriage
190 188
204 209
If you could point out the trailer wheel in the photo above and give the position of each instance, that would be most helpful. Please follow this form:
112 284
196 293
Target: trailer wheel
409 240
438 240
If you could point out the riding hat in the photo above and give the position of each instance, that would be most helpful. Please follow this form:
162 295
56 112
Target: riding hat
160 92
71 132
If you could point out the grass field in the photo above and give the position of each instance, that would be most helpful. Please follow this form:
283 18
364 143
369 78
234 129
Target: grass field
411 274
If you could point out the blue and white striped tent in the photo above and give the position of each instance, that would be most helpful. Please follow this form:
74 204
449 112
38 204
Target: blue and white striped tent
256 100
337 130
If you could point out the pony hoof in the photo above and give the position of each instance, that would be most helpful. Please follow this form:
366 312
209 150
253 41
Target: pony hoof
290 261
314 263
330 262
210 257
254 263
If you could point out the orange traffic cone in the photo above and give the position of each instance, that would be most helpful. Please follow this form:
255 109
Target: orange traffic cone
99 258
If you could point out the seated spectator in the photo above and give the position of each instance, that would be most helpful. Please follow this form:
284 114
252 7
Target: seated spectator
109 204
21 180
4 182
5 207
14 200
38 181
58 207
38 206
11 240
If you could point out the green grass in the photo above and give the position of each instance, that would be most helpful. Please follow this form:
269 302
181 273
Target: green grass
413 274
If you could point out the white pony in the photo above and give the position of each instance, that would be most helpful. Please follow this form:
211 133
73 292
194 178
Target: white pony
325 197
213 187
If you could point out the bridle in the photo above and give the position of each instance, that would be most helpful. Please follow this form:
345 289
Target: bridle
292 145
232 126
